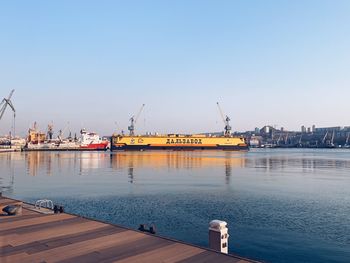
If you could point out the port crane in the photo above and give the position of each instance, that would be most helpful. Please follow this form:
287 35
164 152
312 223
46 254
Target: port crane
324 138
226 121
347 140
60 132
279 139
3 105
300 139
286 139
50 131
332 140
133 121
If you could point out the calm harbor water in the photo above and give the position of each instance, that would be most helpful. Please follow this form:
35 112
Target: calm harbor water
281 205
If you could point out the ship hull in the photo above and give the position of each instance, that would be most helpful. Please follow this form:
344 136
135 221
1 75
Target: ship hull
96 147
178 148
63 147
68 148
177 143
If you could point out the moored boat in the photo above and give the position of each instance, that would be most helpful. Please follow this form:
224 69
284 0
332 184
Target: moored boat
88 141
92 141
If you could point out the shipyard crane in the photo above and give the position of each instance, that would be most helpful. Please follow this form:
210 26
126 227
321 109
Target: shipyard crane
332 140
133 121
286 140
300 139
324 138
61 133
226 121
3 105
50 131
347 139
279 139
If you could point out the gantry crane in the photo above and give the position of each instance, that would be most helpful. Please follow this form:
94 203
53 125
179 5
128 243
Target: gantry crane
133 121
3 105
226 121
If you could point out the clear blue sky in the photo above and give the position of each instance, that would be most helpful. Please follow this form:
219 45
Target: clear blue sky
93 63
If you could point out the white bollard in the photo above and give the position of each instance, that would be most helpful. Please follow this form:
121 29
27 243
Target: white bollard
218 236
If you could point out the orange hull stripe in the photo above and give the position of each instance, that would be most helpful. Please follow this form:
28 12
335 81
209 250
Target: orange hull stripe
185 145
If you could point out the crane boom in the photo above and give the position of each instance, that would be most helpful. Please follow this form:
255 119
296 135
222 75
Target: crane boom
11 106
324 138
133 121
6 102
139 113
286 140
221 113
332 140
226 121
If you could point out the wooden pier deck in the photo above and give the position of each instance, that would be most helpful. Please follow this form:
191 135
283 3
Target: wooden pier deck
37 237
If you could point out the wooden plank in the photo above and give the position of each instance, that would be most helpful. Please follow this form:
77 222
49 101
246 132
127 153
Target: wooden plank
34 221
63 230
172 253
76 249
36 227
123 250
8 201
14 258
14 218
60 241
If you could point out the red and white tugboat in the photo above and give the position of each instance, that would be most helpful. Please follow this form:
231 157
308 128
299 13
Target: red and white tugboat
92 141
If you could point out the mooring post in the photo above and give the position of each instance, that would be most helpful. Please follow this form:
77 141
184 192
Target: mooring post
218 236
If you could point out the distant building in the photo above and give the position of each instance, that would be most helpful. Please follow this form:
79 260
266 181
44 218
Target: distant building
303 129
328 129
267 129
313 128
308 130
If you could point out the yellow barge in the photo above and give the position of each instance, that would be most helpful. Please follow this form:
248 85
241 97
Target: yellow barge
177 141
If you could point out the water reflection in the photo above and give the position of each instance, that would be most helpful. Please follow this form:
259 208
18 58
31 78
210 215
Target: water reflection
52 162
175 160
49 163
306 163
133 161
7 179
190 188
